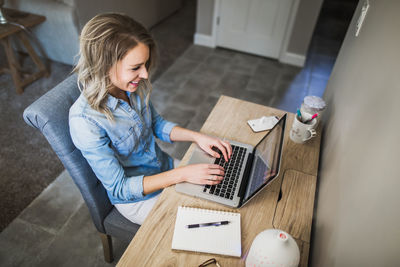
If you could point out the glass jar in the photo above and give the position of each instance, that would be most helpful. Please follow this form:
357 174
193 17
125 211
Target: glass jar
312 105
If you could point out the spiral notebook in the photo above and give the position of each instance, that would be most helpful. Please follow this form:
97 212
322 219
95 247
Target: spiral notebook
223 239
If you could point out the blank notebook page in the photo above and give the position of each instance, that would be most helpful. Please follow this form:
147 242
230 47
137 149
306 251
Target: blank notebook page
223 239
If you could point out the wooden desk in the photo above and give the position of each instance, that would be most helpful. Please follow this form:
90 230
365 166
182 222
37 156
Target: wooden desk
292 213
6 31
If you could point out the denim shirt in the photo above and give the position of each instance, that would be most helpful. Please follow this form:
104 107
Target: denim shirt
123 151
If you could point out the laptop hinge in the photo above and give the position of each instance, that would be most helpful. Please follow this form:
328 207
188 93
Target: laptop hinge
246 176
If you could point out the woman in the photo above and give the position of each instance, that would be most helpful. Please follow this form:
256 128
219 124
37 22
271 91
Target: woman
114 123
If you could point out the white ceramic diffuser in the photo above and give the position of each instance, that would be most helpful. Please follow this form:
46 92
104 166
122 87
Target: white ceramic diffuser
273 247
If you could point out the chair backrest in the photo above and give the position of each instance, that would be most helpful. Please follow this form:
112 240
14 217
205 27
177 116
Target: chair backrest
49 114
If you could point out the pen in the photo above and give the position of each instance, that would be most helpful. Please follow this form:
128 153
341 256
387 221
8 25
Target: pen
197 225
299 114
313 117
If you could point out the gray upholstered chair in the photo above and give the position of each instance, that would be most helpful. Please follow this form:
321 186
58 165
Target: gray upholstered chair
49 114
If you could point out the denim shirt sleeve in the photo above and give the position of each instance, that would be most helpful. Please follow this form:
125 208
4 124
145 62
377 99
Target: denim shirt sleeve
161 127
94 144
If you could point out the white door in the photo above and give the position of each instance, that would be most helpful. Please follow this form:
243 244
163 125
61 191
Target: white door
253 26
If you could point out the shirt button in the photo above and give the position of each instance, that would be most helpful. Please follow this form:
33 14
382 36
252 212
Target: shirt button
129 109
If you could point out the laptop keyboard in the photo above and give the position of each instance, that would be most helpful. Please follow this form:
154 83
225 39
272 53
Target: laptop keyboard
233 167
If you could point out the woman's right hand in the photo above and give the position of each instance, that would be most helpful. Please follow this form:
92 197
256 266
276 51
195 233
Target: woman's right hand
201 173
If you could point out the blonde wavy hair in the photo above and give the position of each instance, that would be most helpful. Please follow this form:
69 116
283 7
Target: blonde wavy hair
105 40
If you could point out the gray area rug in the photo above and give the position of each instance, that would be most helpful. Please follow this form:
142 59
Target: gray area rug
27 162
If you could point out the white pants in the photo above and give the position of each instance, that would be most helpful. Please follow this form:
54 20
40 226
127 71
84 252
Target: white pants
137 212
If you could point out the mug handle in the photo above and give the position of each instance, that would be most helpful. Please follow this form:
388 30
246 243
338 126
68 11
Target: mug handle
312 134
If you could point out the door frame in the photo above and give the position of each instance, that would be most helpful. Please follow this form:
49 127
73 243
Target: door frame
284 55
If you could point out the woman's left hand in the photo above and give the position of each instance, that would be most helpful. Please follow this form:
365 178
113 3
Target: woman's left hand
207 143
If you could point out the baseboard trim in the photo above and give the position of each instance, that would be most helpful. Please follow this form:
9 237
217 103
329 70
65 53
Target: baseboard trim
287 57
293 59
204 40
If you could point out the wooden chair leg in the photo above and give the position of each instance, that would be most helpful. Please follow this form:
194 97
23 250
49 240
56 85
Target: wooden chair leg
38 62
13 65
107 247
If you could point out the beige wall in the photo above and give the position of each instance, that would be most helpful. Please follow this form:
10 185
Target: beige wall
148 12
204 18
303 26
357 221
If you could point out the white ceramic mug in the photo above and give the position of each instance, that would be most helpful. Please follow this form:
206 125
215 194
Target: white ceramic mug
302 132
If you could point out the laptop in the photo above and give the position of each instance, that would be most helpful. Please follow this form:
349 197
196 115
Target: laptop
247 172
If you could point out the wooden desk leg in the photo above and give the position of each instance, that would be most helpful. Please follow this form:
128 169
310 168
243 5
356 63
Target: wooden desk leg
13 64
39 64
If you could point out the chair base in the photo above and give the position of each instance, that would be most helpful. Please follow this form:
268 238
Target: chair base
107 247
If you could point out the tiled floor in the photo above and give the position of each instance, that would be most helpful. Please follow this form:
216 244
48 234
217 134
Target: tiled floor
56 229
188 90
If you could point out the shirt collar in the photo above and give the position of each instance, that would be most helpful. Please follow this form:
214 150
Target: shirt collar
112 102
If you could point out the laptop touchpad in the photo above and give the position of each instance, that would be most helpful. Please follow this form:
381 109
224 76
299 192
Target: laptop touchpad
199 156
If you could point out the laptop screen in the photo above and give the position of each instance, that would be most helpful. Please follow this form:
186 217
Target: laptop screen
267 157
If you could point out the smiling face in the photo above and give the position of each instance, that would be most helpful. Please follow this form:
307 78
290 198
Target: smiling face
126 73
